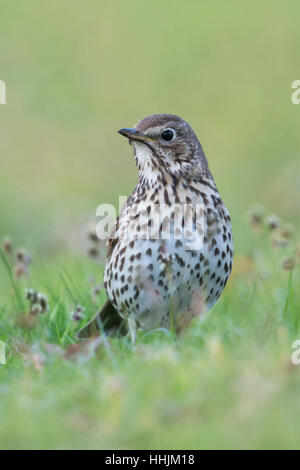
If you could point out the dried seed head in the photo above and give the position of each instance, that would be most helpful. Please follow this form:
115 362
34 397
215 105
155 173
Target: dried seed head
273 221
7 245
91 233
28 294
255 216
37 299
20 254
93 252
92 236
289 264
23 257
287 231
78 313
42 299
278 239
31 295
97 289
77 316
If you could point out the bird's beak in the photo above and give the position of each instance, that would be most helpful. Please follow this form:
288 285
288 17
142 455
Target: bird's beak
133 134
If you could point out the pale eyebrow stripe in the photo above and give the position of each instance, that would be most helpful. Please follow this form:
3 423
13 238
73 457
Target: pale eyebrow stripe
155 130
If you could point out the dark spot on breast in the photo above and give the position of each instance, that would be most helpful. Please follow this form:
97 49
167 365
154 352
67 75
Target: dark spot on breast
122 263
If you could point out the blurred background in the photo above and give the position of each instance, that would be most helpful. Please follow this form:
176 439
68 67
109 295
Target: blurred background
76 72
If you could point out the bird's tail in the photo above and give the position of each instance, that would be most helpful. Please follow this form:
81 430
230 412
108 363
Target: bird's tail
106 321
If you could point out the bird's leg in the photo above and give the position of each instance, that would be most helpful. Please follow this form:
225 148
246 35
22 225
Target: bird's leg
132 329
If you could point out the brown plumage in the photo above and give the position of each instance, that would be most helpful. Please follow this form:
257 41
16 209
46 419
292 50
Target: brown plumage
164 265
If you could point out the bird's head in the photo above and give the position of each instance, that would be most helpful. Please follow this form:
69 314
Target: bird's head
166 143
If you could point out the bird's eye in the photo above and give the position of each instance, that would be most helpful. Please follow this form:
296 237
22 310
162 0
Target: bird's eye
168 135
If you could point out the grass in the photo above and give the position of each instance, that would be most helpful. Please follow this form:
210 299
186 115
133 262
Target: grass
228 382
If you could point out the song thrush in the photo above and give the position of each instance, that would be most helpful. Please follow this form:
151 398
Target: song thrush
171 249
